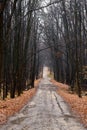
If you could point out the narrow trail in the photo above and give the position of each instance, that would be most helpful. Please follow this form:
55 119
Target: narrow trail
46 111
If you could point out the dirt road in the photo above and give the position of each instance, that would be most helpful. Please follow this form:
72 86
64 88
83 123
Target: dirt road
46 111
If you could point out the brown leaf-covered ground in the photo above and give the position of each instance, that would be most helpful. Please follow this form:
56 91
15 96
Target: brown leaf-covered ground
78 105
8 107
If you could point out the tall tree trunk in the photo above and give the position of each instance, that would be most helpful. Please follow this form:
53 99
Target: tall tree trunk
77 58
1 41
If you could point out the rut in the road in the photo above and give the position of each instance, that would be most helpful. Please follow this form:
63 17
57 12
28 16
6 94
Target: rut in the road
46 111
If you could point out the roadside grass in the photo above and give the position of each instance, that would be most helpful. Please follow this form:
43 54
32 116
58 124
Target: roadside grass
50 75
77 105
8 107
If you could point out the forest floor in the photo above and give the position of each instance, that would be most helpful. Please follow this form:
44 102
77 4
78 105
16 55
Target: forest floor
46 111
77 105
9 107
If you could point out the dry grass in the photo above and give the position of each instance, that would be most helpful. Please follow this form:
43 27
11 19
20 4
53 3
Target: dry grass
78 105
11 106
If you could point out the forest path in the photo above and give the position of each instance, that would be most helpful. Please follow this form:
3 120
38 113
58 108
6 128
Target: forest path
46 111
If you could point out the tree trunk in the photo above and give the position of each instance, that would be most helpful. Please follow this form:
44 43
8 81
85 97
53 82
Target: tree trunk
1 42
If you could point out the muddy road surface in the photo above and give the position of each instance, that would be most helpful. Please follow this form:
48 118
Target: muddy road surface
46 111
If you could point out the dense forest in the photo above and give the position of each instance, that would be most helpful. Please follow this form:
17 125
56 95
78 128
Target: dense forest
35 33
